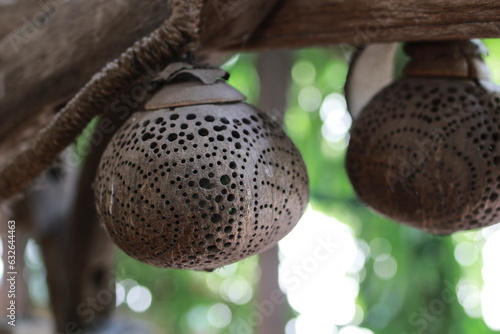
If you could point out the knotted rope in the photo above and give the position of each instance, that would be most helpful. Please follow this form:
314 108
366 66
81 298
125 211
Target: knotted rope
177 37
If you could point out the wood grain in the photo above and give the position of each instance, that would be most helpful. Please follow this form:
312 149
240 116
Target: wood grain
14 14
296 23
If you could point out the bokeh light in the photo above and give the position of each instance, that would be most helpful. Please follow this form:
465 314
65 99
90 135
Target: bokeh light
120 294
37 276
219 315
336 120
139 298
466 253
469 296
310 98
316 277
236 290
385 266
303 72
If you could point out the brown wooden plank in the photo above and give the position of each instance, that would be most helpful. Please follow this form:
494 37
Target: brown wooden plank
230 23
16 14
298 23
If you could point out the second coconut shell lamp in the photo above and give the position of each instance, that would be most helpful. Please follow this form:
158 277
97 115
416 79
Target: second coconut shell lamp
425 150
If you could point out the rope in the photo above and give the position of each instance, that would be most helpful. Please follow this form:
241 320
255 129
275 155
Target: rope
176 38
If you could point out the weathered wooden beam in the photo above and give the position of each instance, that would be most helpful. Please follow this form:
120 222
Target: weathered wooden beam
15 13
298 23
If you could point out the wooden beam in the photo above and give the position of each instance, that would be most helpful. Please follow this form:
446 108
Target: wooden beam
15 13
298 23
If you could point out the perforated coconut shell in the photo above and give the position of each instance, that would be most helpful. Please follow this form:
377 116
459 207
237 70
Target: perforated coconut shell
200 186
426 151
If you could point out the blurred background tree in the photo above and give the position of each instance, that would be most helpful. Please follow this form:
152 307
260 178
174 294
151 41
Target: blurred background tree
344 269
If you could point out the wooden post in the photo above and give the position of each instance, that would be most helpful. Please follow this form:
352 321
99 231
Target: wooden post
274 70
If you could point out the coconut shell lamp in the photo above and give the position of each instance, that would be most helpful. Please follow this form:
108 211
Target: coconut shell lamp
425 150
199 179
